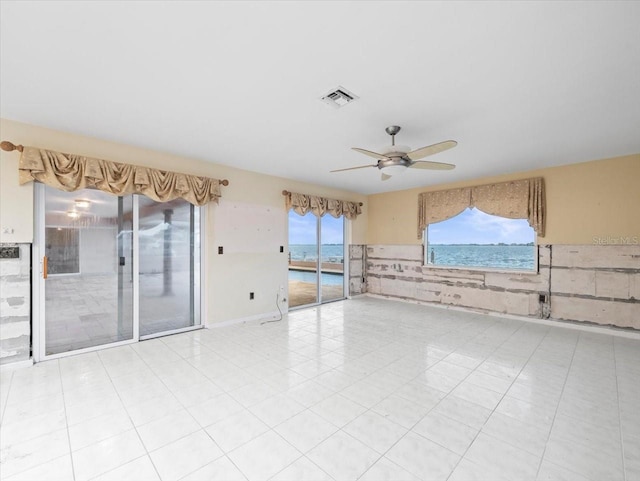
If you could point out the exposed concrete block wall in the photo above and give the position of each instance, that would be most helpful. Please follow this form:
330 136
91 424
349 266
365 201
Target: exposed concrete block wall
15 306
596 284
357 265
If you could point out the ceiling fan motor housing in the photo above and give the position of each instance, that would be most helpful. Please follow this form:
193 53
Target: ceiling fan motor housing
394 160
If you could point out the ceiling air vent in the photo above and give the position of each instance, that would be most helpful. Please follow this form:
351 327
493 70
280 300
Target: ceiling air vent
339 97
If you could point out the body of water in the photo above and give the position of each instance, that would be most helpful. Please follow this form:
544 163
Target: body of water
309 252
492 256
306 276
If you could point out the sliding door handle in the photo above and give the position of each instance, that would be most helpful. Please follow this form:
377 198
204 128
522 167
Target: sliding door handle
45 267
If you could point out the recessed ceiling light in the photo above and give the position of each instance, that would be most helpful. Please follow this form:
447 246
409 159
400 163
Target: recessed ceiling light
82 203
73 214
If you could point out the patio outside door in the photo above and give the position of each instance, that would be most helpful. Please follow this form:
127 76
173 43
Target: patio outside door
316 259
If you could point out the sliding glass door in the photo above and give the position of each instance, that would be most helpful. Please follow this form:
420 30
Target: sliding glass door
331 258
87 274
113 269
303 259
316 259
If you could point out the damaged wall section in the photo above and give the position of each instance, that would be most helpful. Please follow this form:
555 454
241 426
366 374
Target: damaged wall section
584 283
15 305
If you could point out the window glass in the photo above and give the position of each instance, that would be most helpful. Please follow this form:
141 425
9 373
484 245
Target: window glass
475 239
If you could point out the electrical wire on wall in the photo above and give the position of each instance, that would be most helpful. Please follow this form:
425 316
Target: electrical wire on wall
278 306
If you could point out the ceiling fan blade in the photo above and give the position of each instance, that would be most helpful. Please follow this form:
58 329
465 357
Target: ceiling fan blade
371 154
425 164
432 149
385 176
354 168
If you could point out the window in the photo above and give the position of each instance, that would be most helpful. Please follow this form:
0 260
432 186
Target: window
475 239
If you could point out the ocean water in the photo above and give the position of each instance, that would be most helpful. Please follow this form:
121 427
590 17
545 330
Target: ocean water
309 252
492 256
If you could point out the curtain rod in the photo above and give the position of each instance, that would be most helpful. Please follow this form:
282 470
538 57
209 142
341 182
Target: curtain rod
10 147
286 192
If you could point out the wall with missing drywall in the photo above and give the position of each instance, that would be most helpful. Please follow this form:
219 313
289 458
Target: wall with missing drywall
15 305
582 283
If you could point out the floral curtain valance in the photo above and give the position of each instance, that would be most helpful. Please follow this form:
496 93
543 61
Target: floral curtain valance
70 172
518 199
319 206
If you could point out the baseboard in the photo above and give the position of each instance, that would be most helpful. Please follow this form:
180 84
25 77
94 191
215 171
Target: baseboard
610 330
11 366
265 316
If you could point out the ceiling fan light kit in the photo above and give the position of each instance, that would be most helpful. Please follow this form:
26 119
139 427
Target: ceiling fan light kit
395 159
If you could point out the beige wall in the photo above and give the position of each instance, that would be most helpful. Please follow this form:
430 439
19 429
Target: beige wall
230 276
591 199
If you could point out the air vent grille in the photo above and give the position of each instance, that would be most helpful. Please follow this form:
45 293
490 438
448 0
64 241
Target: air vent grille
339 97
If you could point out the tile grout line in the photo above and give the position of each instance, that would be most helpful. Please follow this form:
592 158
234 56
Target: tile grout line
555 413
446 395
128 416
185 408
6 403
622 446
66 421
503 396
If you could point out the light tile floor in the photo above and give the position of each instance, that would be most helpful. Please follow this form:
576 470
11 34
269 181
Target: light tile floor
363 389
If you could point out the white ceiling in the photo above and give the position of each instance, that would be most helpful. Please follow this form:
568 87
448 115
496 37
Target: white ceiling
519 85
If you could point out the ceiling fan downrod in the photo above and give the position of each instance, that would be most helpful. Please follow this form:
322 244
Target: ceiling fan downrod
392 131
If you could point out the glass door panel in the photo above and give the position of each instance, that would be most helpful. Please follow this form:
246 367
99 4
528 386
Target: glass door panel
169 266
88 291
303 259
332 258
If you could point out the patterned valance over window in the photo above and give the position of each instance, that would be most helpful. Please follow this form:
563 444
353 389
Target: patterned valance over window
73 172
518 199
319 206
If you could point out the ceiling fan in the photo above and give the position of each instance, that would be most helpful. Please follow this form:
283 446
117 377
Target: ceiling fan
395 159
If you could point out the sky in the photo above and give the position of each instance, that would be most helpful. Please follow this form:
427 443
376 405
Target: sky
472 226
302 230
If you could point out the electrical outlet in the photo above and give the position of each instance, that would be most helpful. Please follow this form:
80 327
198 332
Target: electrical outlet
251 296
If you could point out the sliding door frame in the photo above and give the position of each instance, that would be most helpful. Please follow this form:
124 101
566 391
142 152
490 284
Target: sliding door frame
346 235
38 320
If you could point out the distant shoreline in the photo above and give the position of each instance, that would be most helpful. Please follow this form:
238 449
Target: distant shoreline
529 244
500 244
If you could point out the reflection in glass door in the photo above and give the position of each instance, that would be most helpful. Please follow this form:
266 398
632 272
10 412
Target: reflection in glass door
169 266
88 286
316 259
